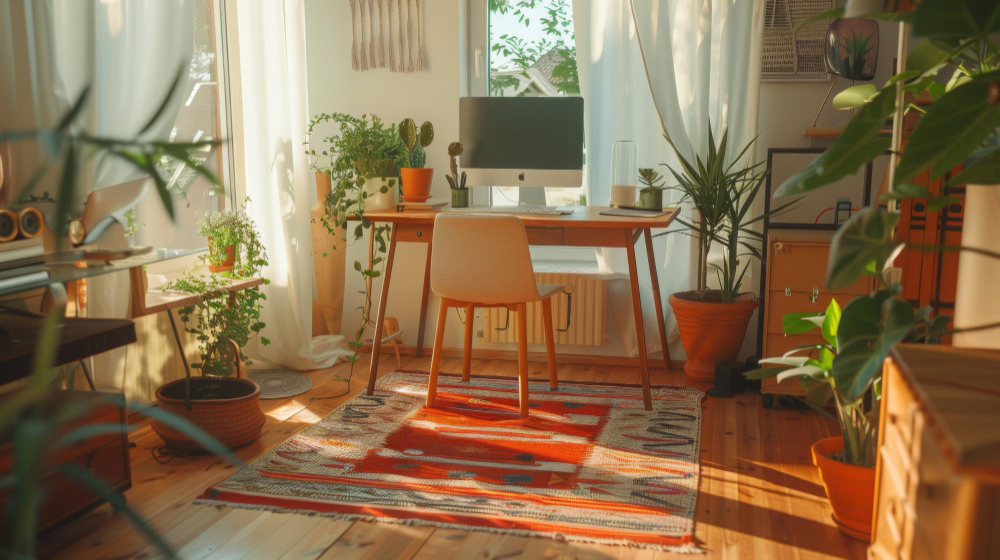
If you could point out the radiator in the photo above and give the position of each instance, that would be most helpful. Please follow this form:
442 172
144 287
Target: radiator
577 317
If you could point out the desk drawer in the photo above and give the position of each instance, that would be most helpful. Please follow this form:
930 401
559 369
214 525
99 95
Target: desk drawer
538 235
801 266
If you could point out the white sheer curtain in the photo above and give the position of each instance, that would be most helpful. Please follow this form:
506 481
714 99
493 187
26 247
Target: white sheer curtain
278 180
128 52
702 59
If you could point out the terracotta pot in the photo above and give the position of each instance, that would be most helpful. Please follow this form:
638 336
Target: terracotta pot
234 418
710 332
227 264
850 488
416 183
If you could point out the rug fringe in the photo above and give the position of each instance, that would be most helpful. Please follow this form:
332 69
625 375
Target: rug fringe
686 548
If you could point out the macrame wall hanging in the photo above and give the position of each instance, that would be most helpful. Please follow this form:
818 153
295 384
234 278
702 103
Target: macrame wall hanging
375 17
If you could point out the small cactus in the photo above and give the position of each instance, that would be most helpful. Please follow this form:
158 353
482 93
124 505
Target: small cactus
455 149
416 140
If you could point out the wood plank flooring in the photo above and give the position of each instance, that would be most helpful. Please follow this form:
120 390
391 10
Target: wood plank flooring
759 495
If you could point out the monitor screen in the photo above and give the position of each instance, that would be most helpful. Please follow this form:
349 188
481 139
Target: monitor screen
522 141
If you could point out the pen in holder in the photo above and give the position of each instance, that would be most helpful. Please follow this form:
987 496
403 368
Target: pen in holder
624 174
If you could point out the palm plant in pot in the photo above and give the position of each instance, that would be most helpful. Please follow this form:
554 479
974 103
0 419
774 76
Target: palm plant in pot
415 177
713 322
223 402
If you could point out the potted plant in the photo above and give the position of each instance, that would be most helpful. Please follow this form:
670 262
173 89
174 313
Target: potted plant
459 192
222 401
651 194
847 371
416 179
221 229
363 159
713 322
362 155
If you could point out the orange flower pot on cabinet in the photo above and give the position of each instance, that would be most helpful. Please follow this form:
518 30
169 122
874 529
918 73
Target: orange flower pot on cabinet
711 332
850 488
416 183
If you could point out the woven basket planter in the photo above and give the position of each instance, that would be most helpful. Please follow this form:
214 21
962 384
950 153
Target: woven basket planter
235 419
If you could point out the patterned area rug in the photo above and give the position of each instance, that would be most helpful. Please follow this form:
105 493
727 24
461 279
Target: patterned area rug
589 464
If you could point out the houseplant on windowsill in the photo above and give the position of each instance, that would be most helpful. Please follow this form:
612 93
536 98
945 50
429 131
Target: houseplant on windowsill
459 192
224 322
651 194
713 322
415 177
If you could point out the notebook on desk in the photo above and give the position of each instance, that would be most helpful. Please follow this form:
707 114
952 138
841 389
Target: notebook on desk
635 212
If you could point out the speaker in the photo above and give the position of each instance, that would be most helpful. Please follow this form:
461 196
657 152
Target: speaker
30 222
8 225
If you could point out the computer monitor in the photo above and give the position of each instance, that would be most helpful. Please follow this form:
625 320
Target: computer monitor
522 141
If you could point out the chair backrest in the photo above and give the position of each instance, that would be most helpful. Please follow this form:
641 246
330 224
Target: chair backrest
482 259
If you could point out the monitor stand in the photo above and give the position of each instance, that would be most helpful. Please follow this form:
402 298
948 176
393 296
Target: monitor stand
531 196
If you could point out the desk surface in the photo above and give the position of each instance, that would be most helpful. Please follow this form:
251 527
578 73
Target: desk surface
582 217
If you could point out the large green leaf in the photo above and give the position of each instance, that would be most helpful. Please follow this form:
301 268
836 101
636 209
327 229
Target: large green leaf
925 57
798 323
854 96
859 144
859 320
831 322
956 20
983 170
954 127
863 240
859 362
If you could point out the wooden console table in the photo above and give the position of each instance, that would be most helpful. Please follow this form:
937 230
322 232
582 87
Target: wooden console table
585 227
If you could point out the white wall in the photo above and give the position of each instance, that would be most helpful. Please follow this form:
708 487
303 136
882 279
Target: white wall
431 95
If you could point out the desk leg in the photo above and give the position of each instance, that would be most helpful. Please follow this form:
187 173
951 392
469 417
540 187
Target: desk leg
640 335
657 302
377 338
423 303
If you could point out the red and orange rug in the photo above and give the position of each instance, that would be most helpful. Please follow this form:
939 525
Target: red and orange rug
589 464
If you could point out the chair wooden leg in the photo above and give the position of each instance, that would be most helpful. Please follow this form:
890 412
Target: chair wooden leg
550 343
436 356
522 357
399 359
470 316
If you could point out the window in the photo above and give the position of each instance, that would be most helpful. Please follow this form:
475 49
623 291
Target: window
527 48
202 115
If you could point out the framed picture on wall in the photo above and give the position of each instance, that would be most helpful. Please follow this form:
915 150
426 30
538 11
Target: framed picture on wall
818 210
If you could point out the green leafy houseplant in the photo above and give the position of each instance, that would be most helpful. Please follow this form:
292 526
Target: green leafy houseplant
713 322
651 194
34 418
857 48
361 149
221 316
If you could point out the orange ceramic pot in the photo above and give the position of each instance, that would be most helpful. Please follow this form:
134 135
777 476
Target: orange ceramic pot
227 263
850 488
711 332
416 183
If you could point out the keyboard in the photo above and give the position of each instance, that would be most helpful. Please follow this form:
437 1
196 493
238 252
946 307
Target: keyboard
543 210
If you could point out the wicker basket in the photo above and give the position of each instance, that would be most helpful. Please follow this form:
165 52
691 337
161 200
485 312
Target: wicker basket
235 421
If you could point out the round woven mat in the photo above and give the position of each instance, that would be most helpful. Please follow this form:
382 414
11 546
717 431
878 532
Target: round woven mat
279 383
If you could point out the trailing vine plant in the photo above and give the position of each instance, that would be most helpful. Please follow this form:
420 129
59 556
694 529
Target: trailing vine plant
220 315
360 149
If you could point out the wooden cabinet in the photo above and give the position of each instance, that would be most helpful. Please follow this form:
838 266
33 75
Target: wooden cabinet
794 283
105 455
938 474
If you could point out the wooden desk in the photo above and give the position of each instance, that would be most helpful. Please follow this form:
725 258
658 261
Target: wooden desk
586 227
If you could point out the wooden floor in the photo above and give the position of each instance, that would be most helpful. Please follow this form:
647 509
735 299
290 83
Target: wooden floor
759 495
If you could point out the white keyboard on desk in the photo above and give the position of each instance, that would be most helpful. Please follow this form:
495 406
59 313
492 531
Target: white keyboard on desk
549 210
